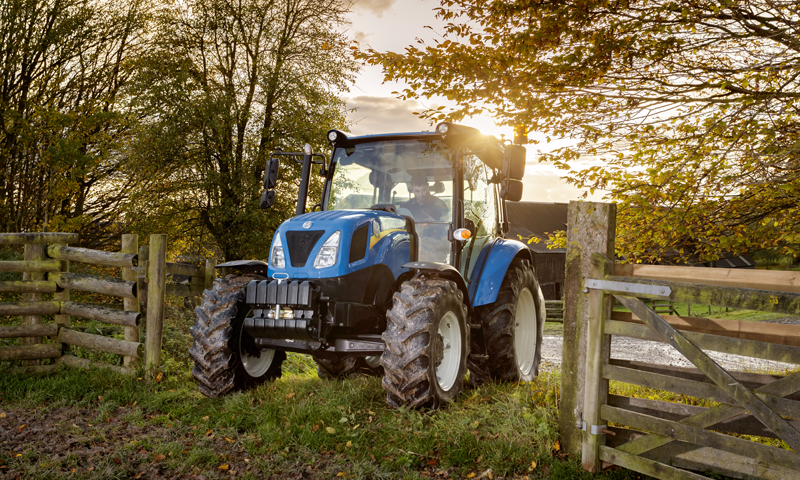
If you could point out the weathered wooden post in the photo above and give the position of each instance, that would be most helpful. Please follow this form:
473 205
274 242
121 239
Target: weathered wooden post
210 274
130 244
33 252
597 353
591 228
62 320
156 291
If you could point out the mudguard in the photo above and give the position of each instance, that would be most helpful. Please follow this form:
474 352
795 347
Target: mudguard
486 284
444 270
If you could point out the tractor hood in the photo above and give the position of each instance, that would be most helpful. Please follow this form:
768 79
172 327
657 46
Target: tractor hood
335 243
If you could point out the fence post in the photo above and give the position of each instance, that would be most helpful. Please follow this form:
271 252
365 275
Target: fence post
33 252
62 296
211 274
156 290
597 354
590 229
130 244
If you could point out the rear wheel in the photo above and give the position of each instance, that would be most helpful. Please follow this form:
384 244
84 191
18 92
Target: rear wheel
348 367
512 329
426 341
225 355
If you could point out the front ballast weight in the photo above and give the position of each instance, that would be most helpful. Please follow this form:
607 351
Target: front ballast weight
284 310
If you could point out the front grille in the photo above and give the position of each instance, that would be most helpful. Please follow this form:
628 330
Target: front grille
300 245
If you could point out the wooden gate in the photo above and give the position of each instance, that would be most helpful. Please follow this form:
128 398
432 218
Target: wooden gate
674 440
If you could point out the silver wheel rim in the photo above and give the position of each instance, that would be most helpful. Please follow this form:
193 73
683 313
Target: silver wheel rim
525 331
450 335
373 361
257 366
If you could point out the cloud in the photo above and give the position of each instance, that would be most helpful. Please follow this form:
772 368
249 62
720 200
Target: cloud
543 186
375 7
361 37
374 115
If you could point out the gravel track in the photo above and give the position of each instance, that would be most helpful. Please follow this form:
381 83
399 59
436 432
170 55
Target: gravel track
625 348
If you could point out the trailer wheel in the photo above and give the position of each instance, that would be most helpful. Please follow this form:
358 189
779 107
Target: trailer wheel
427 341
512 327
225 356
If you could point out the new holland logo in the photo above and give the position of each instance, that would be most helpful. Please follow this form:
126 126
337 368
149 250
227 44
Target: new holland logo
307 225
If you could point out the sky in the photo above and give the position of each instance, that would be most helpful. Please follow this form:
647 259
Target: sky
392 25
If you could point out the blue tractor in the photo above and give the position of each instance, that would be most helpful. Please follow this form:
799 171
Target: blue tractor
401 270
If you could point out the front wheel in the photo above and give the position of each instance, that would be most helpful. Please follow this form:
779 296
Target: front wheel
225 355
427 342
512 327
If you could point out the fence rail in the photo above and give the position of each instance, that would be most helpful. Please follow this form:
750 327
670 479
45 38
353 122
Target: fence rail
671 440
46 271
555 310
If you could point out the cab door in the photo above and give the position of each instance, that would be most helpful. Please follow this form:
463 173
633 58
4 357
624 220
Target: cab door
480 207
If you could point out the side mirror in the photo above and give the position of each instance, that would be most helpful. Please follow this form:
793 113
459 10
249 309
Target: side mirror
267 199
271 173
514 162
511 190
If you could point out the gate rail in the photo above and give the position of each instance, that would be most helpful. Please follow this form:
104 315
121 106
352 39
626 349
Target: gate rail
658 438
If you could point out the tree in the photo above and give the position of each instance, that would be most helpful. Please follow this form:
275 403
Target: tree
225 83
691 105
62 63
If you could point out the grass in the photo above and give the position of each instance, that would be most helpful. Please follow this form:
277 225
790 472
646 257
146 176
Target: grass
299 425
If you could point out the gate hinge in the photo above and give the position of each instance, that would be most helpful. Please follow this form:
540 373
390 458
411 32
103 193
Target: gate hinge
596 429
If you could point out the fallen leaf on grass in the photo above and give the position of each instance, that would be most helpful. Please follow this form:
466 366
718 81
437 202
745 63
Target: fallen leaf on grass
471 475
545 471
159 377
556 446
205 419
159 457
432 462
224 466
533 464
21 427
330 430
290 395
3 415
229 440
340 474
316 427
100 398
349 444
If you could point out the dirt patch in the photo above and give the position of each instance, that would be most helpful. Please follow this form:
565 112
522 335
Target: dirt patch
123 442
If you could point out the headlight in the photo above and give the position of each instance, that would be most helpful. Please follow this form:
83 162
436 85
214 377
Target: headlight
329 251
277 258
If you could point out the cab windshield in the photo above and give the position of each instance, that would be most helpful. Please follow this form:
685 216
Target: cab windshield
416 176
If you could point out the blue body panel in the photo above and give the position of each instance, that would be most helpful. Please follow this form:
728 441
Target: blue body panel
494 260
392 249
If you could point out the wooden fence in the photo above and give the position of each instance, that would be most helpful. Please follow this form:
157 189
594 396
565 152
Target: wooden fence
555 310
46 272
673 440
